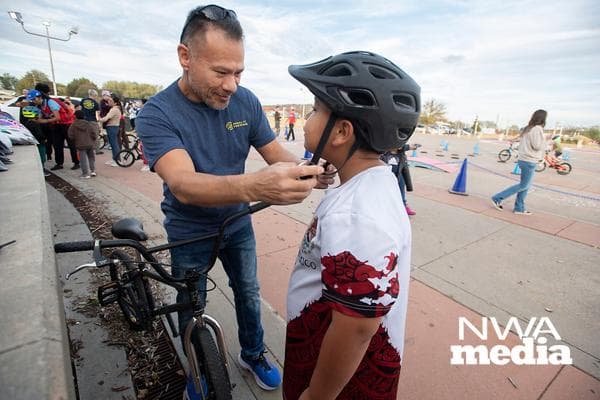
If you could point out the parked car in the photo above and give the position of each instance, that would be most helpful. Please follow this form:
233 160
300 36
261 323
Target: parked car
10 107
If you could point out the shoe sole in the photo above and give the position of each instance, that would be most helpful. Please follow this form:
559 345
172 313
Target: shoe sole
521 213
256 378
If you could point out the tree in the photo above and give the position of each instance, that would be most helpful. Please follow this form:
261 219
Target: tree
31 78
128 89
61 89
79 85
593 133
432 112
8 81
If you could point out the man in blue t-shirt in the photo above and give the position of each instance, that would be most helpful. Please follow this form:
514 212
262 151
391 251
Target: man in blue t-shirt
196 135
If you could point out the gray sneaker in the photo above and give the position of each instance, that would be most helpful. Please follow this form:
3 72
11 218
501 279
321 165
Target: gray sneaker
525 212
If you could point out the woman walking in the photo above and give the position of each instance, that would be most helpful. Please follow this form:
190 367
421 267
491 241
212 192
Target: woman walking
531 151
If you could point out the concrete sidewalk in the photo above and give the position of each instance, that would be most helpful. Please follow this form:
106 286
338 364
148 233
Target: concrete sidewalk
468 261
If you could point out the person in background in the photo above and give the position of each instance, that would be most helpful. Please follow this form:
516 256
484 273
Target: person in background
69 103
132 112
291 123
531 151
112 121
29 116
277 118
122 135
396 158
58 131
83 136
91 110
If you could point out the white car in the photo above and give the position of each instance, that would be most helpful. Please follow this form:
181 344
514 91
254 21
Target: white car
10 107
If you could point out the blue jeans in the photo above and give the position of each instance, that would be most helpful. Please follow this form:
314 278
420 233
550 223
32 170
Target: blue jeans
521 188
401 183
238 256
113 133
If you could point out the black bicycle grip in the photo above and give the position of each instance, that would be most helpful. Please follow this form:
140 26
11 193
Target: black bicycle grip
69 247
257 207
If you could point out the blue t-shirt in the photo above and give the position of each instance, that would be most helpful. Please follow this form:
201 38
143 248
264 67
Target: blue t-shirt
89 107
48 107
218 142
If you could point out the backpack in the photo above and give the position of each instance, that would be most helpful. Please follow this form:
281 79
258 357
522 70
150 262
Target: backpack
65 114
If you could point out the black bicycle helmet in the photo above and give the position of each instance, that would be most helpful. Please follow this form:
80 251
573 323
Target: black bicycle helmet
369 89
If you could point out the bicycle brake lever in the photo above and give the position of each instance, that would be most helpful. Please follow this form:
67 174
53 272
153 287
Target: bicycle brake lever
79 268
102 263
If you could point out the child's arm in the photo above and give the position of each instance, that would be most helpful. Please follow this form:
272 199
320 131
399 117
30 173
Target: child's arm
342 350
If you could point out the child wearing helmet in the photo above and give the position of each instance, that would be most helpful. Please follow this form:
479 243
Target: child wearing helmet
348 292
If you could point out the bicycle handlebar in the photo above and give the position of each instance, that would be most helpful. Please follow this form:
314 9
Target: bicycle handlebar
70 247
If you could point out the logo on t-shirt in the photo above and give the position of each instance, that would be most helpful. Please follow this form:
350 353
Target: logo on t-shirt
88 104
230 126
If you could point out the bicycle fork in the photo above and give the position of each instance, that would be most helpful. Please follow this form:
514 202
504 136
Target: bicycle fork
205 320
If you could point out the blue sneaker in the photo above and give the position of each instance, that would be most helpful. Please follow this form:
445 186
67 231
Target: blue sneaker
190 391
267 375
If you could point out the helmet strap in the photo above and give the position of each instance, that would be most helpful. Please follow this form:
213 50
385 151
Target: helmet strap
324 138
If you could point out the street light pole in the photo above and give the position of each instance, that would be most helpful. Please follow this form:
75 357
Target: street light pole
73 31
47 24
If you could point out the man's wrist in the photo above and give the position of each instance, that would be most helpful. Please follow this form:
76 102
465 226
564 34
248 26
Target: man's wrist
246 186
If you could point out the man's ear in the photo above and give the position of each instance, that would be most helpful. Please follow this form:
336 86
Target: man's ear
343 132
183 52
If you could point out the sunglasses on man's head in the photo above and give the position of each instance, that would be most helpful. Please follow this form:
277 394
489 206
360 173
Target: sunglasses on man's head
211 12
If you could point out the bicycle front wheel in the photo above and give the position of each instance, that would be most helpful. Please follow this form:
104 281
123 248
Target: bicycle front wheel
211 364
504 155
135 295
564 168
125 158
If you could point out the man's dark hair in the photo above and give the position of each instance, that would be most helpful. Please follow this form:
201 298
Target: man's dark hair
79 114
197 23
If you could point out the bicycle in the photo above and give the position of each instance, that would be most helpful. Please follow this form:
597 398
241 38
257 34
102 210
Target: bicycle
561 167
130 289
127 157
506 154
103 140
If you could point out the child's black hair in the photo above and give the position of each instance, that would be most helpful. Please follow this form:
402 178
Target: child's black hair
79 114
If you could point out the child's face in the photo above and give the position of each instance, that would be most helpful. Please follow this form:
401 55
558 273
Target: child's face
313 128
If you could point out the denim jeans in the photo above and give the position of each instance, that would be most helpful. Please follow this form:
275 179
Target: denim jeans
401 183
113 133
238 256
521 188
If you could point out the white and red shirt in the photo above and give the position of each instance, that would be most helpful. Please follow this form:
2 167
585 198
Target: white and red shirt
355 259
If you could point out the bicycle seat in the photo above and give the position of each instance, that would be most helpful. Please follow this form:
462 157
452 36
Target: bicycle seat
129 228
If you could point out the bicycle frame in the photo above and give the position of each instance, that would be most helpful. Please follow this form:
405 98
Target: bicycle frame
187 283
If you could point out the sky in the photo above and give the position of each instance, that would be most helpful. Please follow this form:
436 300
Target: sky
495 60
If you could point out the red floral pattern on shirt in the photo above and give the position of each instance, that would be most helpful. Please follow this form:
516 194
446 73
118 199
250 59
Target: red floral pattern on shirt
356 287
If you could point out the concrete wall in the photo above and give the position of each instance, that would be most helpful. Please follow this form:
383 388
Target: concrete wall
34 352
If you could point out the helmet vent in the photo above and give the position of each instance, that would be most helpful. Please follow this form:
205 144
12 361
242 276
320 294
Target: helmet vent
358 97
405 101
338 70
381 73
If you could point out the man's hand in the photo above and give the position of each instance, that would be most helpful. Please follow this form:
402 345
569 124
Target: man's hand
280 183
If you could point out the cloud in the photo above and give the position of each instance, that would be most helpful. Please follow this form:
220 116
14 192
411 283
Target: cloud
484 58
